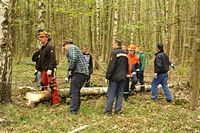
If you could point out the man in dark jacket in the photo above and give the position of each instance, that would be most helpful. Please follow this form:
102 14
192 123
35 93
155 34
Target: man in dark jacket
161 67
77 72
47 64
116 74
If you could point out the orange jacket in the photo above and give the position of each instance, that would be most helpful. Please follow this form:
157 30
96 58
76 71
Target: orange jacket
132 59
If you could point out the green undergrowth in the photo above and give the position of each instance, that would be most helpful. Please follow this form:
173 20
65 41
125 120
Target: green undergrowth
139 113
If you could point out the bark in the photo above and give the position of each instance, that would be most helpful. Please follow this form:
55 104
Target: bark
34 96
196 61
41 14
5 53
116 20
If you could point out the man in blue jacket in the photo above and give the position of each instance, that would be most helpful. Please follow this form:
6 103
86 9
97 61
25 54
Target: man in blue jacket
161 67
116 74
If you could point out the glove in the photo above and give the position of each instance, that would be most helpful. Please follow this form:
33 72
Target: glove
106 81
128 76
67 79
133 73
172 65
49 72
137 70
69 74
155 76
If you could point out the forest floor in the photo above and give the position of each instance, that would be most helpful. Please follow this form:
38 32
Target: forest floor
139 113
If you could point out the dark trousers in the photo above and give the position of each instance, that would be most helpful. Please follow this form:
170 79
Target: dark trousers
77 82
114 91
140 76
126 88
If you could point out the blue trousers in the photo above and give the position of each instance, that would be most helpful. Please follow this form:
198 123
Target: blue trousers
161 79
115 90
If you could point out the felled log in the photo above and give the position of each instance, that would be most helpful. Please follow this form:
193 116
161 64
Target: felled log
34 96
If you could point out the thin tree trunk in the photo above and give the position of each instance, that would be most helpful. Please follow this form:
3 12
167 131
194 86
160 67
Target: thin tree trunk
5 53
196 63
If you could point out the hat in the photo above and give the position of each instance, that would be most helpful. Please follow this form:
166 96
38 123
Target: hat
43 33
67 41
131 47
160 46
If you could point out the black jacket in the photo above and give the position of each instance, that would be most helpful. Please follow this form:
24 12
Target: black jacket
161 63
47 60
118 66
36 57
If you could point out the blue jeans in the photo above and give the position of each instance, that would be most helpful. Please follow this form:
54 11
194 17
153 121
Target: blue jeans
161 79
115 89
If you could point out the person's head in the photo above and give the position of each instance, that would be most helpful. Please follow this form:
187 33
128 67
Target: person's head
116 44
131 49
67 43
124 48
138 49
43 37
160 47
85 49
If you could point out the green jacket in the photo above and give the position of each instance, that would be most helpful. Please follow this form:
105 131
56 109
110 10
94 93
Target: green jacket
142 57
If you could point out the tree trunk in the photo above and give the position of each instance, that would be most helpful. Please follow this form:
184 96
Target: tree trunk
5 53
41 14
196 61
34 96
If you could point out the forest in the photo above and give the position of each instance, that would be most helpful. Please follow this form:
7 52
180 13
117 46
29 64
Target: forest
95 24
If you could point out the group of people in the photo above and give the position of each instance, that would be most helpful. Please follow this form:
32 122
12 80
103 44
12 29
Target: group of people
129 64
125 65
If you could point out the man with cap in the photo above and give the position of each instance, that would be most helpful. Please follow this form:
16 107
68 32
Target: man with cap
47 64
161 67
78 73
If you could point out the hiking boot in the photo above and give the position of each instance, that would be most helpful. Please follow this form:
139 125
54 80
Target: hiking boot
73 112
169 100
107 113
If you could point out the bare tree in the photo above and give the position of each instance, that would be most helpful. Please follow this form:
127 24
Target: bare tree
196 63
5 53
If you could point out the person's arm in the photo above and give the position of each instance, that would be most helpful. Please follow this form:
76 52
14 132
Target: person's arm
143 61
52 56
72 58
111 66
91 64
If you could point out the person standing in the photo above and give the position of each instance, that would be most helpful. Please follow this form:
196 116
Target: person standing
116 74
47 65
161 68
88 58
78 73
140 72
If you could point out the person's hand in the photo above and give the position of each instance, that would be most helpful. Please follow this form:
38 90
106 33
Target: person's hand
128 76
134 73
49 72
106 81
173 66
155 75
137 70
67 79
69 74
